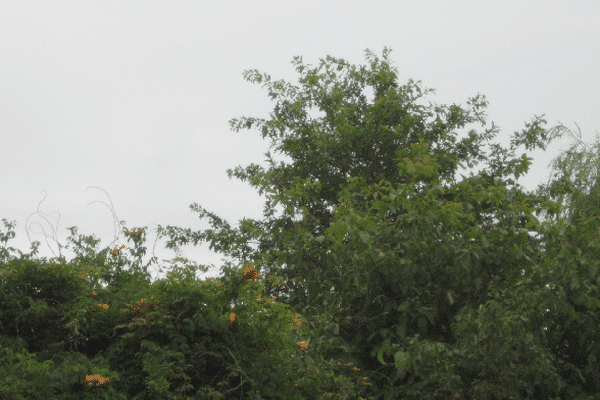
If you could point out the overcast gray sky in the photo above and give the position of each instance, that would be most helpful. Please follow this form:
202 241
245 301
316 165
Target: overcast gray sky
134 97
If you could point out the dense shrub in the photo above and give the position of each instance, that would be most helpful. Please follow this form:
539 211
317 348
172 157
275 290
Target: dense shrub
65 337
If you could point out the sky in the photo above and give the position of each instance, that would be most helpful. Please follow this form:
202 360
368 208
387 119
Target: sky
134 97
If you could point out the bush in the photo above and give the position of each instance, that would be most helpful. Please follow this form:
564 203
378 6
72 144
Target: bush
65 337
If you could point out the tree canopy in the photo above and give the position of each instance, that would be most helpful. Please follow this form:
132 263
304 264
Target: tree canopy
429 293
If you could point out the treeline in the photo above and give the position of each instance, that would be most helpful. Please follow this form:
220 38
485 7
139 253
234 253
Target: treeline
430 300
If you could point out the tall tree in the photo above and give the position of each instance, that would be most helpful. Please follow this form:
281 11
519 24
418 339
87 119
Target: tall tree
372 208
572 246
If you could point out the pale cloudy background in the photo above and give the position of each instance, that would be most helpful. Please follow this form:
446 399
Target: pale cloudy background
134 97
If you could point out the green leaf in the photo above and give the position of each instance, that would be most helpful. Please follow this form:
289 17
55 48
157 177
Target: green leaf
385 347
401 329
403 363
340 230
365 237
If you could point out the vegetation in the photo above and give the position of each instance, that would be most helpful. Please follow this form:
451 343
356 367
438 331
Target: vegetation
440 290
181 339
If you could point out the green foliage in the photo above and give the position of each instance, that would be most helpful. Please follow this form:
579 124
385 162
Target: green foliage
372 208
439 289
181 339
